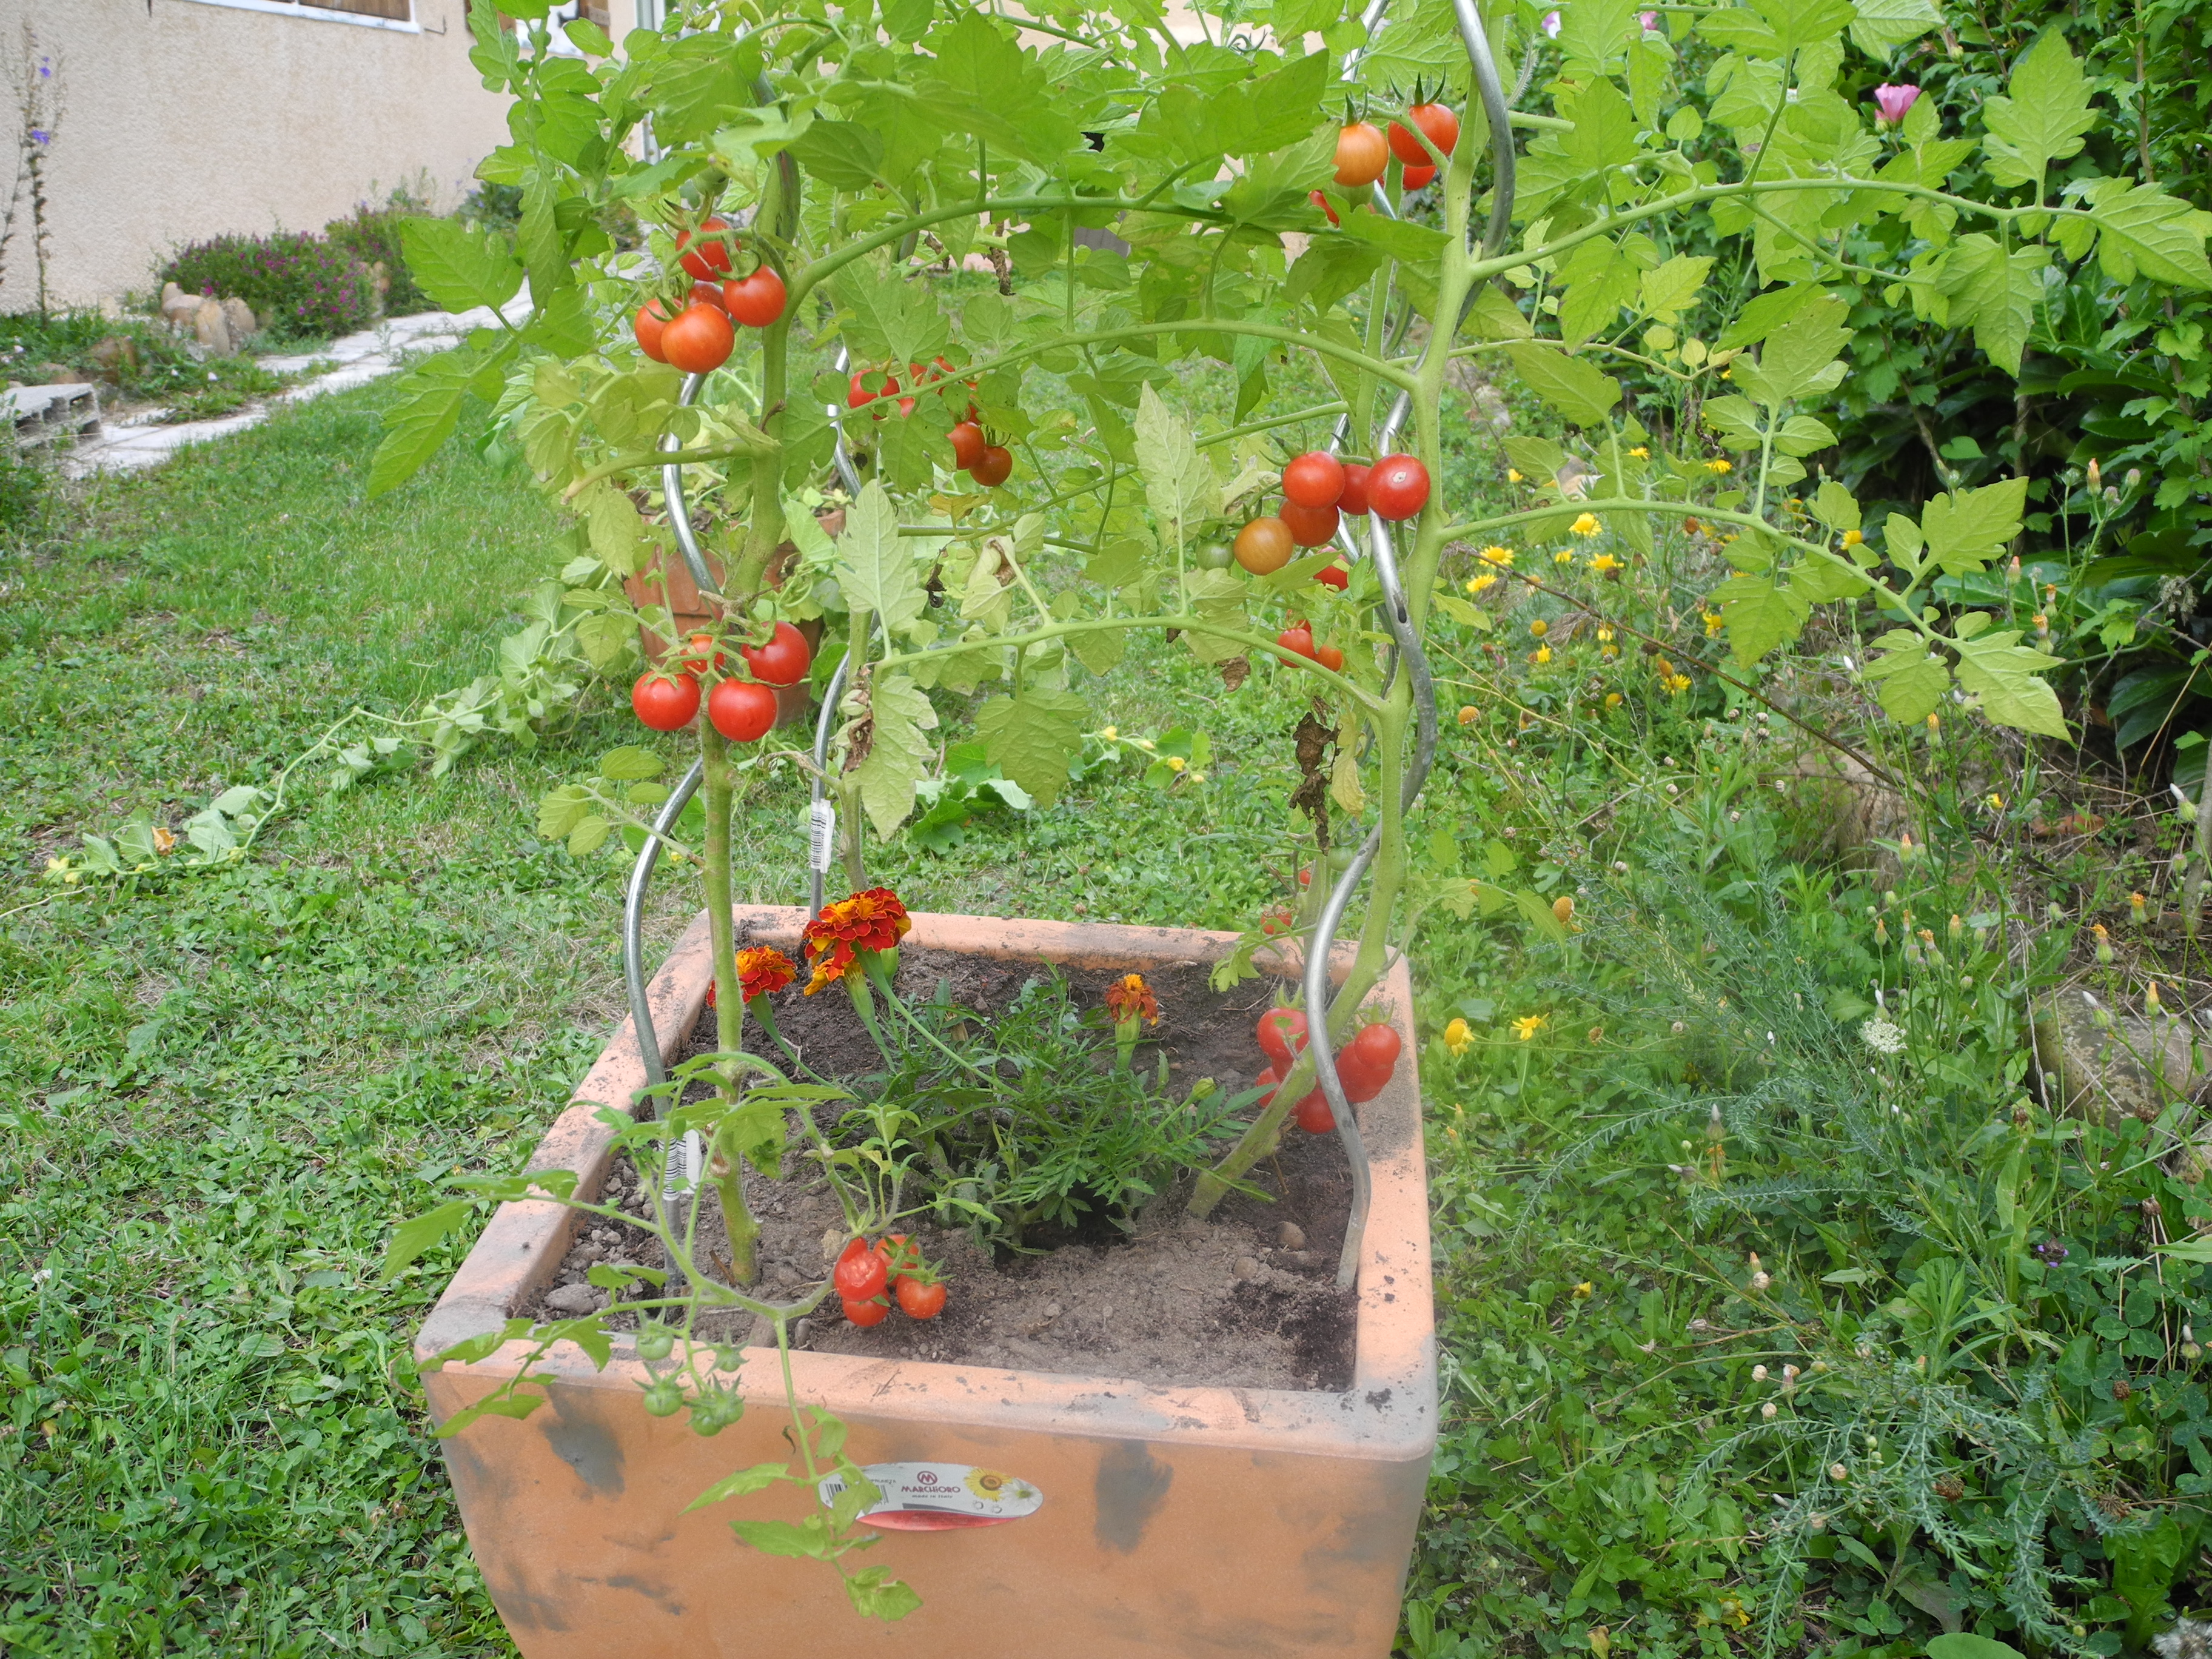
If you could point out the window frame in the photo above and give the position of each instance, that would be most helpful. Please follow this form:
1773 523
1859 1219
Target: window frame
321 14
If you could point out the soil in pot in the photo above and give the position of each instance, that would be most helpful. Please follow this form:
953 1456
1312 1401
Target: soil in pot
1247 1298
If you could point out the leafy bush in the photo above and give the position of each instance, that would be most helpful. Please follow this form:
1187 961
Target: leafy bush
152 362
297 284
371 234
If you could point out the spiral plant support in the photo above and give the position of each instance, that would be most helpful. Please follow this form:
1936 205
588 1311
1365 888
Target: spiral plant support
1406 651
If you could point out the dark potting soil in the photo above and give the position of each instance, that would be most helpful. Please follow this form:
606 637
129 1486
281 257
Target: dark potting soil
1247 1298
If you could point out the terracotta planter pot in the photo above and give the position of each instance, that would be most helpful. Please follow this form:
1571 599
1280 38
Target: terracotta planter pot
794 703
1173 1521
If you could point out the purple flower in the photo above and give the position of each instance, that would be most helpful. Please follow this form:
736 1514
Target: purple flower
41 135
2050 1249
1892 102
1647 20
1552 24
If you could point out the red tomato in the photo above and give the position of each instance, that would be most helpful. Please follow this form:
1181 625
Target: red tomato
1282 1033
1354 499
783 660
710 260
899 1252
700 341
1267 1080
861 1272
918 1301
1369 1060
1441 126
1297 639
1323 202
857 393
1309 527
1329 658
741 711
1276 922
967 445
864 1314
1398 486
696 660
709 294
1417 178
1263 546
756 300
665 701
647 324
1361 155
993 467
1313 479
1335 576
1313 1114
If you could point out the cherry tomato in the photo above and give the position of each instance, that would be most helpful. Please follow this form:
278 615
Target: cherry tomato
1441 126
756 300
1369 1060
665 701
1276 922
710 260
696 660
699 341
1263 546
1353 501
861 1272
1329 658
1417 178
647 324
900 1255
1309 527
709 294
1335 576
918 1301
967 445
1362 154
1313 479
1282 1033
1398 486
1267 1080
1215 555
864 1314
857 394
1313 1114
1323 202
783 660
1297 639
993 467
742 711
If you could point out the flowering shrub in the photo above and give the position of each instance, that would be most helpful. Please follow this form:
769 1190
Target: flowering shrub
297 284
372 236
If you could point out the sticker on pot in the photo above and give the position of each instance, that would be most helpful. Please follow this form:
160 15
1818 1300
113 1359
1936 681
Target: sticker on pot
934 1496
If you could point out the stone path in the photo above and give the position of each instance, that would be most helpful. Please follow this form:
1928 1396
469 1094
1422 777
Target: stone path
144 440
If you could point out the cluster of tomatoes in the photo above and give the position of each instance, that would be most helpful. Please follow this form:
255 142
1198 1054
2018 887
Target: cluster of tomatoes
699 339
990 464
741 710
1318 489
868 1276
1363 1065
1362 153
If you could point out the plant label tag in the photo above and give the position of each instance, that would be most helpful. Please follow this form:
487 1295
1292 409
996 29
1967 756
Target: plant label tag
937 1497
821 837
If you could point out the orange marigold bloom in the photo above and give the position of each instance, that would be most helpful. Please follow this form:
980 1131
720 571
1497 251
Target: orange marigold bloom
1132 998
873 921
764 970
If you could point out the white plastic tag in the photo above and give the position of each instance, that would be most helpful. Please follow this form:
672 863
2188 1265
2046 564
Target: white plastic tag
935 1497
821 837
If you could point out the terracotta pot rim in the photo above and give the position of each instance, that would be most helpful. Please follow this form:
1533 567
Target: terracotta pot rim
1389 1413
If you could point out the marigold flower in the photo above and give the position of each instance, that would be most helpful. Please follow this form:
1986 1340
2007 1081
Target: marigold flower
1528 1024
1587 525
1129 999
873 921
1458 1035
1720 464
1500 557
764 970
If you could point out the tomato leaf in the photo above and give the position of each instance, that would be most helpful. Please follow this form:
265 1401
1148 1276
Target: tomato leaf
411 1239
897 755
873 566
417 426
1180 485
742 1484
2003 673
1032 738
459 269
1576 388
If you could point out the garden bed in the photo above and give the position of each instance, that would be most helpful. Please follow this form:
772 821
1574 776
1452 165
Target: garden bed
1246 1299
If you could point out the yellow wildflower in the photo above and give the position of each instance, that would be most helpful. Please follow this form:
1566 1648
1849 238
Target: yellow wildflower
163 840
1500 557
1469 714
1934 721
1478 584
1511 477
1565 555
1852 538
1582 1293
1459 1035
1605 564
1712 621
1587 525
1678 683
1177 762
1528 1024
1996 803
1110 733
1612 700
1604 633
1540 628
1641 453
1723 465
1541 654
2136 903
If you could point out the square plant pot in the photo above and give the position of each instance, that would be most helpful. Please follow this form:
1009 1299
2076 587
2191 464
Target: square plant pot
1192 1520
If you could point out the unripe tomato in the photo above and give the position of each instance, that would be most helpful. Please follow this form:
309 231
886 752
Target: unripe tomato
1362 154
698 659
756 300
1263 546
1441 126
1329 658
1313 1114
993 467
861 1272
1335 576
665 701
1281 1033
1214 556
743 712
864 1314
710 260
1398 486
648 325
1297 639
1313 479
707 293
918 1301
1309 527
782 661
1417 178
1354 499
700 341
967 445
1323 202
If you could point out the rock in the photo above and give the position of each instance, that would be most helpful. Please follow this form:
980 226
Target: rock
1291 1237
1861 810
1245 1267
117 355
178 307
801 1333
1052 1310
2111 1064
212 329
574 1301
240 315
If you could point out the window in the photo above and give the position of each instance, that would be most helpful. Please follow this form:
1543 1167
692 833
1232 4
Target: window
397 11
373 13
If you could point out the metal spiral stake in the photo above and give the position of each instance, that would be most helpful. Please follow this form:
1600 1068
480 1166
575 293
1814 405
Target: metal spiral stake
1406 639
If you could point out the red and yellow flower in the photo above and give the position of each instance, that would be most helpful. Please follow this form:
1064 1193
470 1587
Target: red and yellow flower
872 921
1129 999
764 970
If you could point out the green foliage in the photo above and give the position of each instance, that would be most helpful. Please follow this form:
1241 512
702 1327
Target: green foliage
297 285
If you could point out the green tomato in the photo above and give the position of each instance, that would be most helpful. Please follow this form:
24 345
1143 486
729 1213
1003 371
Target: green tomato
664 1397
654 1341
1214 556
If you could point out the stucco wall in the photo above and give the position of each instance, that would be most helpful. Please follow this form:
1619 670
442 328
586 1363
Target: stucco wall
183 119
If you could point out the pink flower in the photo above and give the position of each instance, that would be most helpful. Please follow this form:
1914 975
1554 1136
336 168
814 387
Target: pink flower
1552 24
1647 20
1893 102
